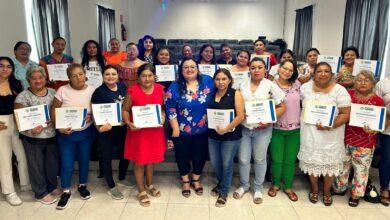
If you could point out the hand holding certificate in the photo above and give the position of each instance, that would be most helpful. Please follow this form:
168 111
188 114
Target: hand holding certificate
371 65
74 118
219 118
207 69
261 111
57 72
166 73
369 116
30 117
109 113
319 113
148 116
333 61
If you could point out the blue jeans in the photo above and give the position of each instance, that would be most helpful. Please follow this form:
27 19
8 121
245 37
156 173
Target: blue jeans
253 143
77 144
384 165
221 158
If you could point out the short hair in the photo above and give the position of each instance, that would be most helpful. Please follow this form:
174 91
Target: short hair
72 67
287 51
224 45
366 73
322 64
35 69
227 73
106 67
58 38
20 43
350 48
258 59
262 40
146 66
131 44
312 49
294 76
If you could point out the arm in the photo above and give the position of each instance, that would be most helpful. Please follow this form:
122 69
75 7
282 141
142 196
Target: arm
240 111
126 108
280 109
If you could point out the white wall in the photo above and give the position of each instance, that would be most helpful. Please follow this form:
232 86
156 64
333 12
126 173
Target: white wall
218 19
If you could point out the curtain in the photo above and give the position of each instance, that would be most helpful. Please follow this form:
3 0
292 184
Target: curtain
366 27
106 26
50 20
303 31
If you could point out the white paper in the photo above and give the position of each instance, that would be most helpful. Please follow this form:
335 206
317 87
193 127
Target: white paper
166 73
260 111
225 66
207 69
146 116
316 112
371 65
333 61
368 115
31 117
239 78
95 78
110 113
57 72
70 117
266 58
219 118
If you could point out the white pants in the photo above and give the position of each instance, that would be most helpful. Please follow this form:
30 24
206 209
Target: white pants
10 142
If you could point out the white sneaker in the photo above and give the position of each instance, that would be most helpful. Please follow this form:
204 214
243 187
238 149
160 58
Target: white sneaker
258 197
26 188
13 199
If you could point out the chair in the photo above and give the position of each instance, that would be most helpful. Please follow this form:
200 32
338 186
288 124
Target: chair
246 42
174 41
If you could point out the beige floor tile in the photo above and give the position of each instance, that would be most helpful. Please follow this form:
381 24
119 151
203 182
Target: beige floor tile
101 210
361 213
156 211
100 194
318 213
177 197
50 212
385 211
24 211
187 212
274 212
231 212
164 187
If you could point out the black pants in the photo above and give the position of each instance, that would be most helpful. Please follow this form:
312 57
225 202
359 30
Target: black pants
191 152
108 141
43 164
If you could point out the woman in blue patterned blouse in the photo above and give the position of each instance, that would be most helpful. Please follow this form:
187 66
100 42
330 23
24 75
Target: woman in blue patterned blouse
186 103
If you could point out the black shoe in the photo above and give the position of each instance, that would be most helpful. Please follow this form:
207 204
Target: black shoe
64 200
84 193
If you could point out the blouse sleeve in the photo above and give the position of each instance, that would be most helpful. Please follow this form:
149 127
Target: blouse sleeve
171 101
343 99
277 94
22 99
59 94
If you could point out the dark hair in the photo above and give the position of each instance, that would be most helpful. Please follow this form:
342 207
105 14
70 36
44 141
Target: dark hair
224 45
322 64
131 44
141 47
181 81
259 60
227 73
146 66
247 52
109 66
58 38
14 84
72 67
294 76
155 59
185 45
312 49
350 48
85 56
287 51
114 38
262 40
212 61
20 43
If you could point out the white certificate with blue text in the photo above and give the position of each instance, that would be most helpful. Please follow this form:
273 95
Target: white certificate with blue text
31 117
239 78
166 73
207 69
219 118
57 72
260 111
319 113
71 117
371 65
148 116
368 115
107 113
333 61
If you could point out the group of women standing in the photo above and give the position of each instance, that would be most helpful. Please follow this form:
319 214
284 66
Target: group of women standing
129 78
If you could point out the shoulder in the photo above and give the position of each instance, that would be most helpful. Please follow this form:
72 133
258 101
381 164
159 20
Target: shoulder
46 58
68 57
206 78
51 91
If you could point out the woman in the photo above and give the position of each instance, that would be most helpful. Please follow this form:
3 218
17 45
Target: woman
224 142
322 148
39 143
206 54
186 52
360 142
147 49
243 57
144 146
128 69
226 55
163 57
10 87
110 137
285 55
22 62
93 62
285 135
115 56
383 90
306 71
256 137
344 77
186 102
260 49
57 57
74 142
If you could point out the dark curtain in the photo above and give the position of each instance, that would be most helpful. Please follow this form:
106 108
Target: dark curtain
50 20
106 26
303 31
366 27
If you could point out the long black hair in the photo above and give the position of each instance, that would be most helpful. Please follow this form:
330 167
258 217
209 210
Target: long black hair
294 76
155 58
212 61
141 47
14 84
181 81
85 55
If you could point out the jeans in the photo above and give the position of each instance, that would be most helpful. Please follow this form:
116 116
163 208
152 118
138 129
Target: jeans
254 143
221 158
384 166
75 144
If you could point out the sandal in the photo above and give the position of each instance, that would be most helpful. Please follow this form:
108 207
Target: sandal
313 197
258 197
215 192
199 190
153 191
353 202
143 199
239 193
327 200
291 195
385 200
185 192
221 201
273 190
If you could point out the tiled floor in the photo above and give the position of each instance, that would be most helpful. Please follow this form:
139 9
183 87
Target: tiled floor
172 205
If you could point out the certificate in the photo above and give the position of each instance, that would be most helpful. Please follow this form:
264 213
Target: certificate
148 116
107 113
266 58
225 66
166 73
371 65
219 118
207 69
333 61
239 78
95 78
316 113
368 115
57 72
31 117
260 111
70 117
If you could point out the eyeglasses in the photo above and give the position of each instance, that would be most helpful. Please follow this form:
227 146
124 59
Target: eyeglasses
287 69
189 67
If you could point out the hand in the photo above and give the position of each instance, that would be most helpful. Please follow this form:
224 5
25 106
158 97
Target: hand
3 126
322 128
66 131
175 133
105 128
49 124
37 130
88 118
221 131
132 126
368 130
263 125
162 120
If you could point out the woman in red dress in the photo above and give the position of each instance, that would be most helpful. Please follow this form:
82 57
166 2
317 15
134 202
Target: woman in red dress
144 146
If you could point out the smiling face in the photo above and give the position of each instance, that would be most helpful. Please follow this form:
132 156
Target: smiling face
222 81
349 57
92 49
286 71
226 53
190 70
114 46
259 47
59 46
148 44
146 78
163 56
187 52
207 54
5 69
364 84
286 56
23 52
37 81
110 76
323 75
257 70
77 78
243 59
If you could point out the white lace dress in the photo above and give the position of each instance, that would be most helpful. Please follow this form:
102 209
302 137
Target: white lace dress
321 152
